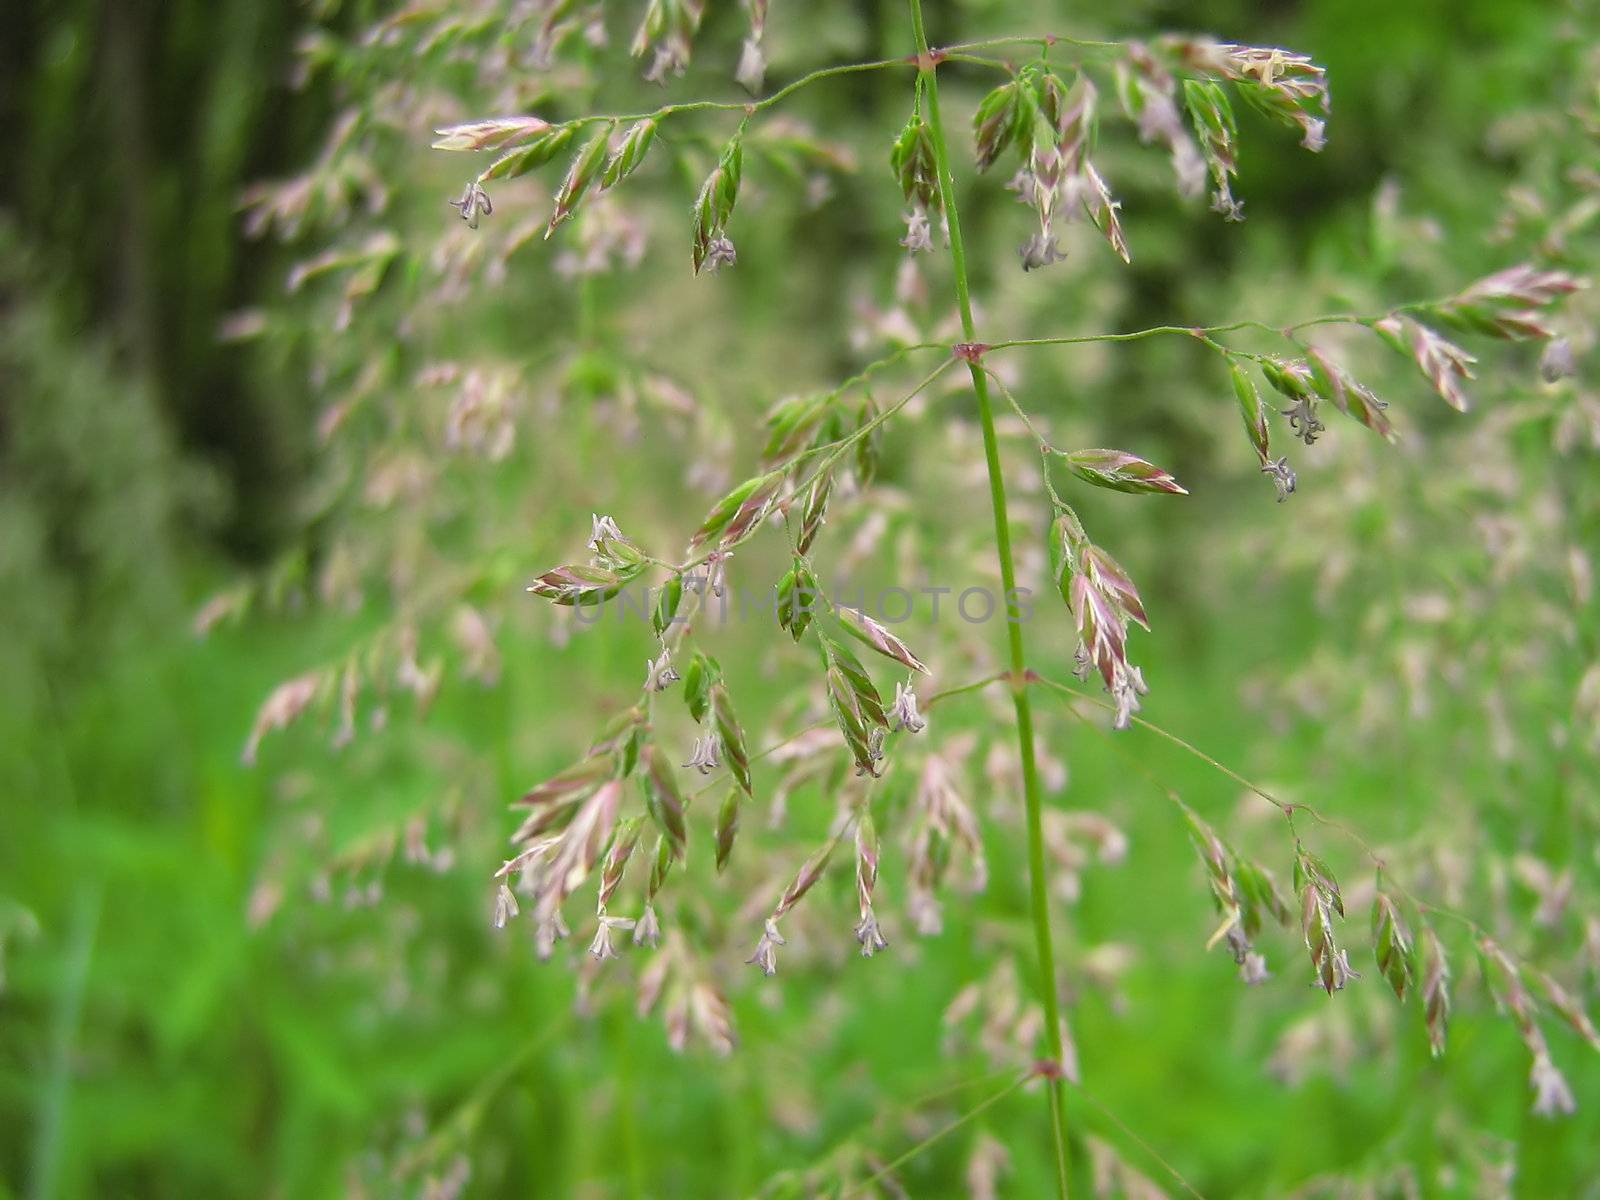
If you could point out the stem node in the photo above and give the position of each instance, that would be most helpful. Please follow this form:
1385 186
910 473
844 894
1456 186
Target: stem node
1049 1068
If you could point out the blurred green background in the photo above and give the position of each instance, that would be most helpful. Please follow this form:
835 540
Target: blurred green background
182 1016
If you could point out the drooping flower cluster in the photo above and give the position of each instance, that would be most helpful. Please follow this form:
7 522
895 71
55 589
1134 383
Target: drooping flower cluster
1512 305
1103 601
1053 127
1552 1095
911 158
766 952
667 34
867 931
1244 893
944 831
1148 93
752 60
1320 902
1279 82
579 829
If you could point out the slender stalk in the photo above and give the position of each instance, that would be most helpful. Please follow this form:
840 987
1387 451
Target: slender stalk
972 1114
747 106
834 452
1040 899
1289 810
1042 40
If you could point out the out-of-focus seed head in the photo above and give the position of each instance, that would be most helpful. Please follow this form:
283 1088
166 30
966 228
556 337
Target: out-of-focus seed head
1552 1095
752 69
1148 93
1570 1008
713 1020
667 33
727 827
1557 361
1508 304
549 930
1435 990
282 708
